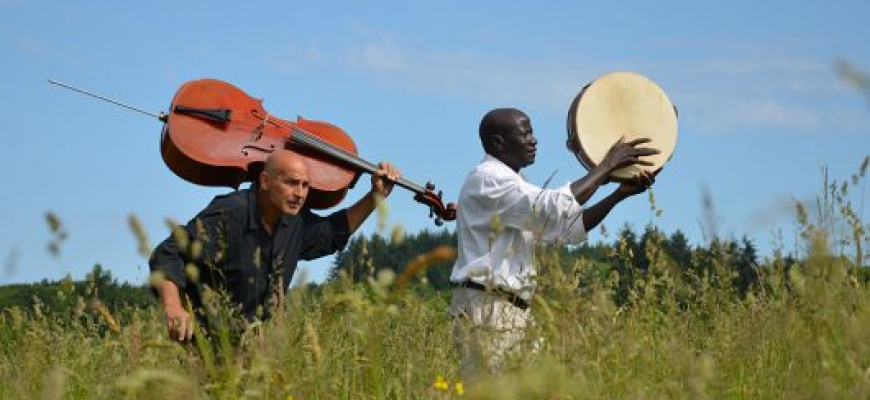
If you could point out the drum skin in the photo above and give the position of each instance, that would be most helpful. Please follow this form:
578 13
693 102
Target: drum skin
621 104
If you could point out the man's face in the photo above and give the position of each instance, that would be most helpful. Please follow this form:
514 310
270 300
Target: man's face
287 188
519 145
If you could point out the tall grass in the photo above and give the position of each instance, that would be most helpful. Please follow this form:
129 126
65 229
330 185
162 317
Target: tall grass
800 333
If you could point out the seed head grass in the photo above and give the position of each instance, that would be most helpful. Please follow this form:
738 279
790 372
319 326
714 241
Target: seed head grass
661 332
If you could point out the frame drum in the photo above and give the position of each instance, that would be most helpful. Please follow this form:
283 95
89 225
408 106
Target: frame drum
621 104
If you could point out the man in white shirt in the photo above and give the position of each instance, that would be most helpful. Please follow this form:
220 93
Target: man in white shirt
501 217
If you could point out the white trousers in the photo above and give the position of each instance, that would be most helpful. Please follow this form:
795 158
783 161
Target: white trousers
488 330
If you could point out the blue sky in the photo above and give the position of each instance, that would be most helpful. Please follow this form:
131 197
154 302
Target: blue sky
762 108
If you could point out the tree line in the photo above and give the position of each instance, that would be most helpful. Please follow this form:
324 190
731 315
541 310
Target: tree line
98 289
628 258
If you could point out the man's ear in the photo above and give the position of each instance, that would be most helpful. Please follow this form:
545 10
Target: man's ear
496 143
264 180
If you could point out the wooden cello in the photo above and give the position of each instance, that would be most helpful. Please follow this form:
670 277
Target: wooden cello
216 135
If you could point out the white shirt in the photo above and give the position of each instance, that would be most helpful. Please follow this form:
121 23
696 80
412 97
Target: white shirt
500 218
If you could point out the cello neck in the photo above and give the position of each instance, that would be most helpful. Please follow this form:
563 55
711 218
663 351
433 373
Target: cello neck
304 139
425 195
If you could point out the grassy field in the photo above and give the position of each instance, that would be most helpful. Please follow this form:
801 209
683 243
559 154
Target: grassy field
802 332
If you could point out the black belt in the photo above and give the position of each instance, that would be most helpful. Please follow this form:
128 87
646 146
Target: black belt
517 301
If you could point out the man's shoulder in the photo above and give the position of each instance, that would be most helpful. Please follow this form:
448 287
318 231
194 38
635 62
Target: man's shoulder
223 204
491 171
234 198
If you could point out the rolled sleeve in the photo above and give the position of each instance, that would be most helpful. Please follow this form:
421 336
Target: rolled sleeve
571 227
323 236
553 215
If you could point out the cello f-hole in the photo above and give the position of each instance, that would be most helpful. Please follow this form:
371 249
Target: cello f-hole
245 148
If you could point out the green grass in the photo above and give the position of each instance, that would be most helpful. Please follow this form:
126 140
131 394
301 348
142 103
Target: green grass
802 337
801 332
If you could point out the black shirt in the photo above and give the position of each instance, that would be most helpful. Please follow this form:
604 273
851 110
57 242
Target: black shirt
229 251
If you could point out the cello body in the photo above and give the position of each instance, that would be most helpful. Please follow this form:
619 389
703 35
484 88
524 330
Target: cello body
217 135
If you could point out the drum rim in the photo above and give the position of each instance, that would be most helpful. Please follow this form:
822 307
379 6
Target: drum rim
573 136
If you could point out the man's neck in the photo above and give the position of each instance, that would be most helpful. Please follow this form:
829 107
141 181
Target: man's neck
501 159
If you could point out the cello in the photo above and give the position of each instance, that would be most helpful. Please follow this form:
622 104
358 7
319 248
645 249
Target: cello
217 135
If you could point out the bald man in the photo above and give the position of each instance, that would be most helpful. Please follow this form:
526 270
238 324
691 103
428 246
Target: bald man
234 260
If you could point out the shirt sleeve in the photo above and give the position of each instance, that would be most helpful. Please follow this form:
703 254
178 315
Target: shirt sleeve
168 260
322 236
552 215
201 242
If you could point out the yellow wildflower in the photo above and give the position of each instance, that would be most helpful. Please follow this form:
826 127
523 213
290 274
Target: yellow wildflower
440 383
459 388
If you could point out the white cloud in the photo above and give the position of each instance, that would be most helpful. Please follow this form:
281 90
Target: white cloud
755 63
291 58
472 75
379 52
746 91
749 87
773 113
807 101
794 114
383 56
30 46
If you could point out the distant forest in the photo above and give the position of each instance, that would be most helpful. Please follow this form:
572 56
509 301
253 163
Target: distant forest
628 256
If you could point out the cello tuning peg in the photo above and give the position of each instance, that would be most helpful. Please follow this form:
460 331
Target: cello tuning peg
430 186
439 221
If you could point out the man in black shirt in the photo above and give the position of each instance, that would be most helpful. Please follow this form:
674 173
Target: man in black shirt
242 249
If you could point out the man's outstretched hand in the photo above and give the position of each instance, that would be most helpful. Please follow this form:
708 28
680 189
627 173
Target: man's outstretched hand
623 154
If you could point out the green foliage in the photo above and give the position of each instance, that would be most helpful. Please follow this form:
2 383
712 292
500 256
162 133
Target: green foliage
63 297
800 333
648 316
723 262
364 256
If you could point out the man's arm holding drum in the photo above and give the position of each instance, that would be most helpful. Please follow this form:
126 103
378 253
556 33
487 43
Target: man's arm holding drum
621 154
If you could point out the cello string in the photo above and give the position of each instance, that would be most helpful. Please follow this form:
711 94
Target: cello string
317 143
308 139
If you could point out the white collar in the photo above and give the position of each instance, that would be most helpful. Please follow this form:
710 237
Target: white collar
488 158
